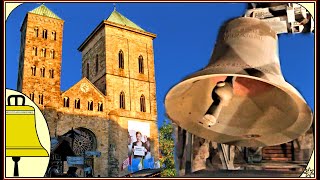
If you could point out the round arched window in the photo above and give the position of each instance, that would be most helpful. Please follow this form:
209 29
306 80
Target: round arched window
84 140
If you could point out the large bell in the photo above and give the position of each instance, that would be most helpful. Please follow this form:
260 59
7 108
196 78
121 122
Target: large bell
241 97
21 134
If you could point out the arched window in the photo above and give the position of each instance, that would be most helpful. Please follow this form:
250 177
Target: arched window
141 68
53 35
51 73
43 52
33 70
35 51
44 34
52 53
65 102
122 100
97 63
121 60
41 99
90 105
100 106
142 103
36 32
88 70
42 71
77 104
32 96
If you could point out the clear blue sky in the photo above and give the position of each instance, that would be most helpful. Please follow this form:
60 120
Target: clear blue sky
186 33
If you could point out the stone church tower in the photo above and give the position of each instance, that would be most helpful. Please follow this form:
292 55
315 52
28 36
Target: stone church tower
117 58
117 90
40 56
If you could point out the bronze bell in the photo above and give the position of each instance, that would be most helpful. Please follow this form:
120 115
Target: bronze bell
241 98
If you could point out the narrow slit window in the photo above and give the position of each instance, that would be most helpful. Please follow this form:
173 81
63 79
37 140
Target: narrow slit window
142 103
52 53
43 52
88 70
35 51
77 104
121 60
90 105
32 96
33 70
42 71
51 73
41 99
36 32
53 35
44 34
141 67
97 63
66 102
100 107
122 101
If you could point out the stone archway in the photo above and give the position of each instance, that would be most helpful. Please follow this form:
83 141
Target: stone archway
84 140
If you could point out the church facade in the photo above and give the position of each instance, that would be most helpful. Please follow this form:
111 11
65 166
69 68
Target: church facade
115 97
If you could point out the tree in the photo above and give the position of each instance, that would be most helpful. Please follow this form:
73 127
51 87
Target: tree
167 150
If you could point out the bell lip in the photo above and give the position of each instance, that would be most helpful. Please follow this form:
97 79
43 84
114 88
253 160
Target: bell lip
21 108
284 86
36 152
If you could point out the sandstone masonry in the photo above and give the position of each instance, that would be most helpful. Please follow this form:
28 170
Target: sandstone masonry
93 104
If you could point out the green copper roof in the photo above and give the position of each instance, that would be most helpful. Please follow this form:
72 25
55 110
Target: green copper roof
44 11
116 17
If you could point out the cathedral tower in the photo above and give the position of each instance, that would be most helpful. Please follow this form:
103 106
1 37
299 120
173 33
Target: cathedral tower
118 58
40 57
114 100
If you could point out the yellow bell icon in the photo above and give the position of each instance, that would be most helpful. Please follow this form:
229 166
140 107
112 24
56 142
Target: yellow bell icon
21 134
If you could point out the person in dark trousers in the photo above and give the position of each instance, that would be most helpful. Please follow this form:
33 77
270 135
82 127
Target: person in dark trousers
72 172
138 143
53 170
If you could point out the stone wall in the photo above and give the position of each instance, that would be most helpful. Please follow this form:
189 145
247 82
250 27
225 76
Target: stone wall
61 122
49 87
95 48
116 85
102 86
85 91
133 45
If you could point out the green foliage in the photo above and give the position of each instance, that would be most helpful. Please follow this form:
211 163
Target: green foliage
167 150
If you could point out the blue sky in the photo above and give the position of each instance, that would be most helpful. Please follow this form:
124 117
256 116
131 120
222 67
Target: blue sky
186 34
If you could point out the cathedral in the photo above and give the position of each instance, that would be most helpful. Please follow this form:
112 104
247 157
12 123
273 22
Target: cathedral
114 100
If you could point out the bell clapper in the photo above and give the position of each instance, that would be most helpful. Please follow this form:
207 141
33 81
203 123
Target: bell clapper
252 105
16 167
222 93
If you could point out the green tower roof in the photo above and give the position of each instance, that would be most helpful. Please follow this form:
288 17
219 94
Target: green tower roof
44 11
116 17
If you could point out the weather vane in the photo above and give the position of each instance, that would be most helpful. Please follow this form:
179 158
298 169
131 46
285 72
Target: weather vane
114 6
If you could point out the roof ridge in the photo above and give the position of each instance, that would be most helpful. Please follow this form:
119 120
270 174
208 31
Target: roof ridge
117 17
44 11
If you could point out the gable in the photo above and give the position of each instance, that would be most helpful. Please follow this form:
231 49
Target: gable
85 90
